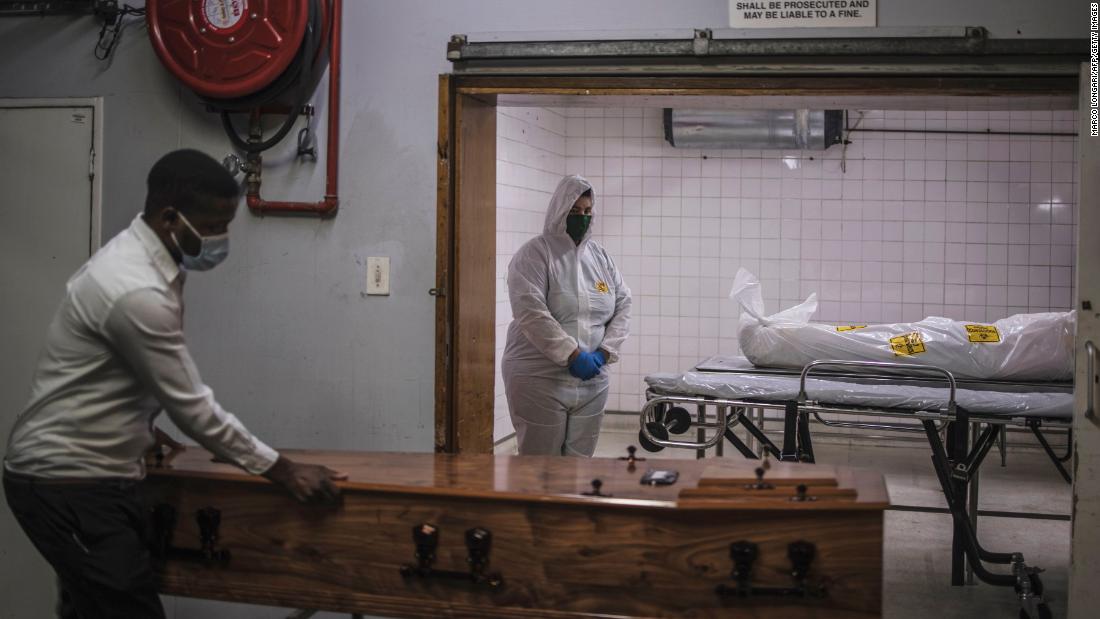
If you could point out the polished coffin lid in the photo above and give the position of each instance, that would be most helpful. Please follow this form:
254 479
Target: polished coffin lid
702 484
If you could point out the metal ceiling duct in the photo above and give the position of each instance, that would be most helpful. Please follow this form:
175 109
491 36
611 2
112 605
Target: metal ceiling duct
754 129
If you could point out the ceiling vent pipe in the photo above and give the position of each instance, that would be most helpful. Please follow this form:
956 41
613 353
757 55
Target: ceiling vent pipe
754 129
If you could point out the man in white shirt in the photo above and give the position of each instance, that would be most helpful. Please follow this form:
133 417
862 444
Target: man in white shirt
115 357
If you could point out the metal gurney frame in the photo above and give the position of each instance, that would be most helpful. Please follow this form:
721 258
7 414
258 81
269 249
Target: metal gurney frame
956 459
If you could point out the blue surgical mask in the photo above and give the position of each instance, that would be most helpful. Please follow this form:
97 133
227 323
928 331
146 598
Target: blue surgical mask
213 249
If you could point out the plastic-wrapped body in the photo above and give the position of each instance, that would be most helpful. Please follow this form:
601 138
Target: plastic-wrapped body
1024 347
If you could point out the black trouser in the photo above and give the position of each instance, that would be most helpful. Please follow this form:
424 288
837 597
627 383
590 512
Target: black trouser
94 534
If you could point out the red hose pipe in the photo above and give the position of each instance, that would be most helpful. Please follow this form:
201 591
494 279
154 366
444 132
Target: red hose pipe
328 206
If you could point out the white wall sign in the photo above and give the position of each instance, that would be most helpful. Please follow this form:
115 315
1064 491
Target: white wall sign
802 13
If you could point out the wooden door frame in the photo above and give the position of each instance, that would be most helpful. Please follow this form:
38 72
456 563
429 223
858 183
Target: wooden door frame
466 201
466 270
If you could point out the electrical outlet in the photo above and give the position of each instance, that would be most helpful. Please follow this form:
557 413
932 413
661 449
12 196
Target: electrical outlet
378 276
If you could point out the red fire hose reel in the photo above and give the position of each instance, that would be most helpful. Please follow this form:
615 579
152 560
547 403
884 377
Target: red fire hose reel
254 56
226 49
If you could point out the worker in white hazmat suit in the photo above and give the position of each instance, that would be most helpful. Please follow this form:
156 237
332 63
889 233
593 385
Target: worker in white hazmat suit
570 317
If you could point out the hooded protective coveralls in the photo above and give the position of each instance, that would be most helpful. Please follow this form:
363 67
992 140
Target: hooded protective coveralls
564 296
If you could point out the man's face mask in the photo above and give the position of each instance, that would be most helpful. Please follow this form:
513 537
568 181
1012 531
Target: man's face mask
213 249
577 225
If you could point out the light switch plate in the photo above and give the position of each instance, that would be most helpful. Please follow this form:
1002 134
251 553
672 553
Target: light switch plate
378 275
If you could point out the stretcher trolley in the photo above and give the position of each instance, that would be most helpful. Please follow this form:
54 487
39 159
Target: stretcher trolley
962 420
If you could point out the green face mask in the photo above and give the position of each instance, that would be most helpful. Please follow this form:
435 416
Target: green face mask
576 226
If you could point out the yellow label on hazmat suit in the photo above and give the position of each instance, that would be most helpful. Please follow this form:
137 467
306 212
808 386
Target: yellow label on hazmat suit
908 344
983 334
602 287
844 328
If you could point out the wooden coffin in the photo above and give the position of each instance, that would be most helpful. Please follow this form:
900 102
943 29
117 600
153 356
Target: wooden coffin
519 537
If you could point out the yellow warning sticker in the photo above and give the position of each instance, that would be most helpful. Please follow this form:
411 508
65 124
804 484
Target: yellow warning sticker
844 328
908 344
983 334
602 287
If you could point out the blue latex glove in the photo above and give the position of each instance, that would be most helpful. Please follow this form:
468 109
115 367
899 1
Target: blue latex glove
587 365
583 366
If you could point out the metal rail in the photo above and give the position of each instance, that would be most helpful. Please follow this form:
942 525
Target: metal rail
648 414
895 367
967 50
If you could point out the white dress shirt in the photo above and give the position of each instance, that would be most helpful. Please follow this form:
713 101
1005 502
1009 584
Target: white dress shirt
115 357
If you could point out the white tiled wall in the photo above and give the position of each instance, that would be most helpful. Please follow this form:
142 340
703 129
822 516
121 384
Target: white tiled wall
530 162
968 226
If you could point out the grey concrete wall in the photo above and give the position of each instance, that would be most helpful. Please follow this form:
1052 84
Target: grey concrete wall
282 331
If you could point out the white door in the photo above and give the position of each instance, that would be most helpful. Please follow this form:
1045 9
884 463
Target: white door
46 233
1085 566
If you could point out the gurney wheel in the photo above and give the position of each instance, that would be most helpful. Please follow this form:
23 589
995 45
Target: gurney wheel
656 430
675 420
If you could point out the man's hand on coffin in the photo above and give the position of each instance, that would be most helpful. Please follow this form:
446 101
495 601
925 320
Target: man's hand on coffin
308 483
